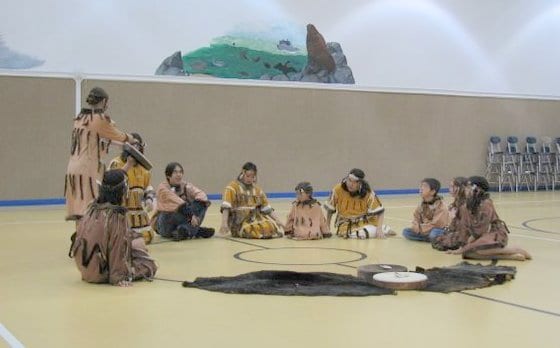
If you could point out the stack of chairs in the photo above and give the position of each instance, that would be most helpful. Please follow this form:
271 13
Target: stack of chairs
494 162
511 163
527 174
536 167
556 171
545 164
501 167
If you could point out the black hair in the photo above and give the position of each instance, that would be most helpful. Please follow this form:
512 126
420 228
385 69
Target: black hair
461 183
304 186
246 167
479 195
96 95
364 189
140 145
171 167
113 187
249 166
434 184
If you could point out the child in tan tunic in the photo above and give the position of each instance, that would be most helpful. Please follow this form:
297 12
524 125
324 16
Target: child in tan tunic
105 249
306 219
431 216
488 235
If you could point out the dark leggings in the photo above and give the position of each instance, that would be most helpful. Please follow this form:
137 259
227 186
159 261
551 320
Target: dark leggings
180 221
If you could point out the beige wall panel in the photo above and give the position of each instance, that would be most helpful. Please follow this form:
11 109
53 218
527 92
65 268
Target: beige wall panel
292 134
36 116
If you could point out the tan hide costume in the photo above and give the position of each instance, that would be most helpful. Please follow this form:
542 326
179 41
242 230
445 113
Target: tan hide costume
91 128
485 228
307 221
106 250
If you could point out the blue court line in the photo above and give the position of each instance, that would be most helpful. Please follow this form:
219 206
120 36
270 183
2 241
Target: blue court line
214 196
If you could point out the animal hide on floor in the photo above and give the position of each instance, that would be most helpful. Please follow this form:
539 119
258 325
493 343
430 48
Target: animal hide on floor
463 276
288 283
466 276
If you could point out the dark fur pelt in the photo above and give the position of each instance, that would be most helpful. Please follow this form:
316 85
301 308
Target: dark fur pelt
287 283
466 276
463 276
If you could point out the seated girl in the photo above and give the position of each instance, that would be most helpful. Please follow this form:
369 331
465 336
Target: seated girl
455 236
360 212
245 209
488 235
141 195
106 250
306 219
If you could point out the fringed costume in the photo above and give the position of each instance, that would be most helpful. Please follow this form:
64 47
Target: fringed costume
106 250
485 229
307 221
249 215
92 134
430 219
354 213
139 190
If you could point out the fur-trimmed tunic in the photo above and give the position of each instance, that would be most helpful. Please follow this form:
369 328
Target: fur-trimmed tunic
485 228
353 212
249 215
306 221
430 215
91 136
106 250
139 189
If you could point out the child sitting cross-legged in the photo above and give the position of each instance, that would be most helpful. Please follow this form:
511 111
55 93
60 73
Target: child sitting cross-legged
431 216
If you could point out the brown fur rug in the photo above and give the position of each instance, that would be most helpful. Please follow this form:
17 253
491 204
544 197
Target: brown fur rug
463 276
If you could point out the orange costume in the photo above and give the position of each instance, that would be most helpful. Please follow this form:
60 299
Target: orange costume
92 134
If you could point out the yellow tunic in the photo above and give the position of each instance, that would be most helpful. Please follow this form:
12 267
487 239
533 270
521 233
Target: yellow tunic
138 185
249 212
353 212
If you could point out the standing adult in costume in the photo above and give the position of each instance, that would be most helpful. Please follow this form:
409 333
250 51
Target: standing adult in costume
488 234
245 210
181 207
141 195
105 249
359 210
92 134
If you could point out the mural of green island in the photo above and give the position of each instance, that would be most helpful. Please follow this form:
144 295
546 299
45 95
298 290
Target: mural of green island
245 57
232 61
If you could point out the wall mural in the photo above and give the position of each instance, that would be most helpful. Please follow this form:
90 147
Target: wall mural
10 59
265 56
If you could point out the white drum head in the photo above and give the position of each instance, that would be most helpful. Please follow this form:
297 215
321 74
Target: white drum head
400 280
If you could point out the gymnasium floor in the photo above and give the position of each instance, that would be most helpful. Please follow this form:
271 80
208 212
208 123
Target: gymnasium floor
43 302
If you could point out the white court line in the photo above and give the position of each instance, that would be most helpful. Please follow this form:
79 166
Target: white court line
8 337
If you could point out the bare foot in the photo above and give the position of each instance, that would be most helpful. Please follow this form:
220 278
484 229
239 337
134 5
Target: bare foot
517 257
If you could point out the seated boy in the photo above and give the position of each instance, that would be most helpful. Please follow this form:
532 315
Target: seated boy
431 217
181 207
